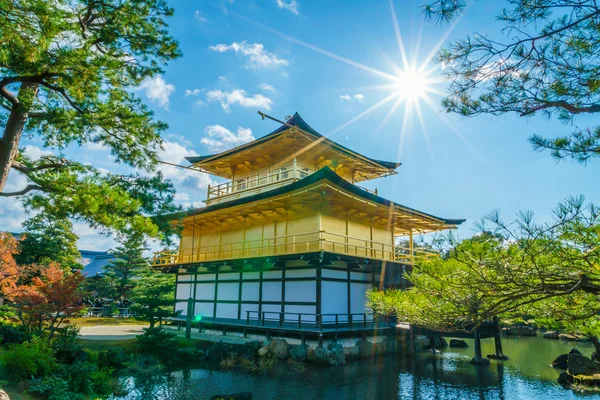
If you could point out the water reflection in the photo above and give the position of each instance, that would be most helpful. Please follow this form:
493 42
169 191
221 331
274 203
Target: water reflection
527 375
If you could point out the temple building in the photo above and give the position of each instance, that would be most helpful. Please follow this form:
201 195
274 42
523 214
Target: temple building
291 236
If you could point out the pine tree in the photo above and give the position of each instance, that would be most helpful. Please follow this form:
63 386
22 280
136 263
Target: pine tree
154 296
128 263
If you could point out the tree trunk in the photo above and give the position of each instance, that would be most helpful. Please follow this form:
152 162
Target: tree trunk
596 343
9 143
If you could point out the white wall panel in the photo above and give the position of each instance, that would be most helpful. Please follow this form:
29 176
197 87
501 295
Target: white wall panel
271 308
228 291
206 277
227 311
363 276
184 277
358 297
205 291
184 290
229 276
300 310
327 273
204 309
181 306
249 307
334 300
271 274
271 291
250 291
251 275
300 273
301 291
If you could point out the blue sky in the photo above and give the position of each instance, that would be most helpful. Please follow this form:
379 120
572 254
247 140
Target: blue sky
241 56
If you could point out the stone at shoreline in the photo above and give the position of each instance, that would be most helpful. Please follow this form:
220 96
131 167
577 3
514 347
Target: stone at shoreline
458 343
565 379
365 348
439 342
279 348
561 362
337 351
574 351
581 365
519 330
235 396
320 355
249 349
550 335
216 351
351 352
4 395
299 352
568 336
263 351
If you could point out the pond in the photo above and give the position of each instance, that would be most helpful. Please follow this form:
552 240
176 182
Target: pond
527 375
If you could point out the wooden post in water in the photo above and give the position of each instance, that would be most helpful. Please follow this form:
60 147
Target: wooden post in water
411 341
478 359
188 320
499 355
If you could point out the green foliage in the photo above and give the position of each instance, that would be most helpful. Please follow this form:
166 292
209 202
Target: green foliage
68 70
548 272
158 342
11 334
128 263
544 60
49 239
53 388
154 296
30 359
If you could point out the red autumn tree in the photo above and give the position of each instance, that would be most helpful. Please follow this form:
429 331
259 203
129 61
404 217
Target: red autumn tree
48 300
8 266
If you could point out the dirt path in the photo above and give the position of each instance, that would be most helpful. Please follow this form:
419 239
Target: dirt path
111 332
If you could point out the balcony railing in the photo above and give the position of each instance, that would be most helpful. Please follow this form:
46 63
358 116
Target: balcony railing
293 244
284 175
258 182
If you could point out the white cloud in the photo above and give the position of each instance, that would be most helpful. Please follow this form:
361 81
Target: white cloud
266 87
347 97
238 96
34 152
220 138
194 92
201 16
157 91
257 56
175 153
291 6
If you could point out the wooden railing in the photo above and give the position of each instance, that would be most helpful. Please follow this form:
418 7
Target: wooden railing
293 244
283 175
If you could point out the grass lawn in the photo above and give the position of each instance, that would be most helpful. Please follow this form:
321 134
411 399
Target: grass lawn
126 346
95 321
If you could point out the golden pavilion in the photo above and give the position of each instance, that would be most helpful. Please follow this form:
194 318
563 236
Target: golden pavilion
291 236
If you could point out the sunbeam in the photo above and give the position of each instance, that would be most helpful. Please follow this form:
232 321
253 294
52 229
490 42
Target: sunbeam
405 62
365 112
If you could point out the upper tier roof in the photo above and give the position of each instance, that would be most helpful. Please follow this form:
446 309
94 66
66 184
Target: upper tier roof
376 167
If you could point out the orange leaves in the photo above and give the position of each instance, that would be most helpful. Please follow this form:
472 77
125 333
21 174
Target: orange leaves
8 267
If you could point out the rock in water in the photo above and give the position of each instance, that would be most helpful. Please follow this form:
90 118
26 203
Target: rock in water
550 335
565 379
249 349
263 351
568 336
575 351
299 352
320 355
458 343
279 348
561 361
338 353
216 351
365 348
581 365
235 396
520 330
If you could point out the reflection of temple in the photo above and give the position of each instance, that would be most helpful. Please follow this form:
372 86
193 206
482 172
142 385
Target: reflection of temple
291 237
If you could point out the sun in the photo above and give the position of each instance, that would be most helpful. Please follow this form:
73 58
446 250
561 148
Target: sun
412 84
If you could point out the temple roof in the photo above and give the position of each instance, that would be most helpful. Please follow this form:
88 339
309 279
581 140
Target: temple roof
296 121
421 221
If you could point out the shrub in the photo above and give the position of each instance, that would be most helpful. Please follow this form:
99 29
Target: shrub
111 358
10 334
53 388
144 366
103 381
68 350
297 366
157 342
228 363
30 359
79 375
248 365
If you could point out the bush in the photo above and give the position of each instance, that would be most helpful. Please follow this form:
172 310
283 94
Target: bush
111 358
30 359
53 388
158 342
10 334
68 350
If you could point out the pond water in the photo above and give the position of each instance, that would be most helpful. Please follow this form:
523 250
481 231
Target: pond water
526 375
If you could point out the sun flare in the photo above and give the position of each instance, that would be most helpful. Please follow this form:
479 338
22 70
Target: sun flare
411 84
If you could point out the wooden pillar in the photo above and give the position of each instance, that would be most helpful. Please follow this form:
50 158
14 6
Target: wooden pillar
410 247
412 341
216 293
499 354
478 359
189 316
